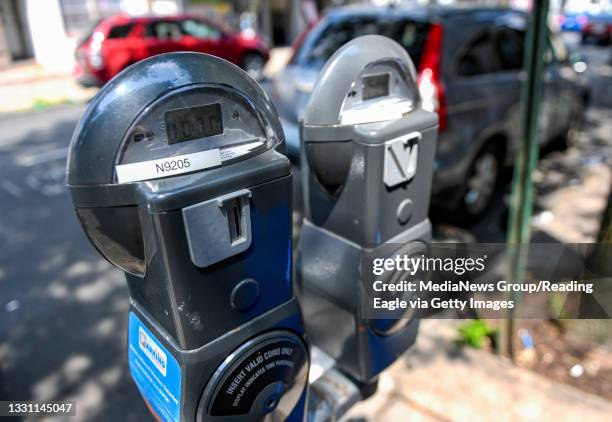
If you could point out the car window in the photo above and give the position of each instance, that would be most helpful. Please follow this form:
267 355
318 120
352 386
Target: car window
199 29
120 31
509 45
163 30
336 35
320 45
412 36
477 57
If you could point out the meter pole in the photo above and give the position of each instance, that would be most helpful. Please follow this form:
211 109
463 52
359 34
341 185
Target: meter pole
521 202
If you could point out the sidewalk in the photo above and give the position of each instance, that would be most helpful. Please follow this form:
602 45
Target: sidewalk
436 381
28 85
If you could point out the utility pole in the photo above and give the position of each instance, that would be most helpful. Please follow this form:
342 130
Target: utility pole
521 203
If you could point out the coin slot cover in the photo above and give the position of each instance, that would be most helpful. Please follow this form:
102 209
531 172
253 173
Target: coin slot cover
401 158
218 228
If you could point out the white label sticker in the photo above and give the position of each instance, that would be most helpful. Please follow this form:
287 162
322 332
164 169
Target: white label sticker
233 152
169 166
376 112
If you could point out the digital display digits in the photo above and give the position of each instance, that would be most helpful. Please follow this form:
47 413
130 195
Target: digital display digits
186 124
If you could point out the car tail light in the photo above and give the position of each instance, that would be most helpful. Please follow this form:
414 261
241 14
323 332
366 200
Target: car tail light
430 83
95 58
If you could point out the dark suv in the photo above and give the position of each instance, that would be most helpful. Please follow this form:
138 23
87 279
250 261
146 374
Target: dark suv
469 65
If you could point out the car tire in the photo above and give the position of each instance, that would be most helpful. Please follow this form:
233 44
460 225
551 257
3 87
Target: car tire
480 185
253 64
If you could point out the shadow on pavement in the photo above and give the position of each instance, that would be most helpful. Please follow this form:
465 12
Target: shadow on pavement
64 309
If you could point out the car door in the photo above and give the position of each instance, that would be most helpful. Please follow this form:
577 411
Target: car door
509 46
477 100
118 48
561 101
550 96
162 36
510 52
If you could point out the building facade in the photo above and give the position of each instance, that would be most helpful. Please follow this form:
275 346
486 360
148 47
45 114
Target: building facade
47 30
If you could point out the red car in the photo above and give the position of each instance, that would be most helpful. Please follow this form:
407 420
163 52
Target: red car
119 41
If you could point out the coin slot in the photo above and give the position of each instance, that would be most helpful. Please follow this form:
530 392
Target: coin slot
234 220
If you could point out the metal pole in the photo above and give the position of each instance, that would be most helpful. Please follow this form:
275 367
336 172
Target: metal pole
521 202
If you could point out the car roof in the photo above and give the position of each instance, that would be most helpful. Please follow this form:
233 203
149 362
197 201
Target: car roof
418 12
125 19
122 19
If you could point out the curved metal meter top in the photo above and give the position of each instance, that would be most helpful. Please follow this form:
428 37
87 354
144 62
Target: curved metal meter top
169 115
370 79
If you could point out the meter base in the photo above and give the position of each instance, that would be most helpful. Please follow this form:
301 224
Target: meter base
328 266
205 362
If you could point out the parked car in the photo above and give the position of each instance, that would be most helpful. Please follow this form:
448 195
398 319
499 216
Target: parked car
119 41
572 21
469 65
598 29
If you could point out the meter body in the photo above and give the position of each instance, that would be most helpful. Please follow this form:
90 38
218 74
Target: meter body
177 175
367 155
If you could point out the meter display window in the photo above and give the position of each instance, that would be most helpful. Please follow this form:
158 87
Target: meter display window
186 124
375 86
380 94
190 130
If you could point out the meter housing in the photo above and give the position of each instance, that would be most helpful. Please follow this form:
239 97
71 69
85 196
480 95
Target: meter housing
367 152
177 176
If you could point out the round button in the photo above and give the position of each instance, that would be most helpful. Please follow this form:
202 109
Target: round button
404 211
245 295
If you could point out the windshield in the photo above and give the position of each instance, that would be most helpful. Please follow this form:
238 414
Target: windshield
325 39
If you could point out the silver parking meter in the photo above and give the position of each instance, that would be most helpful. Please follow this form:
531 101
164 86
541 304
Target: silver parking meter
367 153
177 177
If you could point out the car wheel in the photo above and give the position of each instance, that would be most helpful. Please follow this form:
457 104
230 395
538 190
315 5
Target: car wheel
479 188
253 64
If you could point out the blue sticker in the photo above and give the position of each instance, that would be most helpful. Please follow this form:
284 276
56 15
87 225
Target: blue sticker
155 371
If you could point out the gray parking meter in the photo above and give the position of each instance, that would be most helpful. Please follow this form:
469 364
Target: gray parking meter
177 179
367 153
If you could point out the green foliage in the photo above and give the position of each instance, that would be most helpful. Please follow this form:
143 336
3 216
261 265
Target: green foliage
44 103
474 332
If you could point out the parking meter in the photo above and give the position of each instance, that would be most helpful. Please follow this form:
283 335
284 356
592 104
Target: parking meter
367 156
177 177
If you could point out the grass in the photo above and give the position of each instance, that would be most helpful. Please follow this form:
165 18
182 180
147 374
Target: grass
474 333
45 103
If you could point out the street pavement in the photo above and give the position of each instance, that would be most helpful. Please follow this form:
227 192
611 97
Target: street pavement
63 325
63 308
